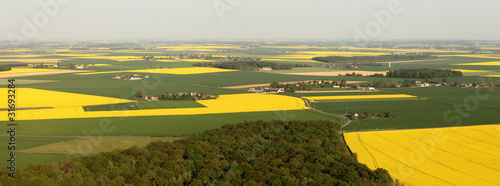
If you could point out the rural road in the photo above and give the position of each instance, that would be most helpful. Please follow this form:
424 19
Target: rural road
308 105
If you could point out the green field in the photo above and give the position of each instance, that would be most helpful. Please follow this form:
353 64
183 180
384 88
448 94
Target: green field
428 110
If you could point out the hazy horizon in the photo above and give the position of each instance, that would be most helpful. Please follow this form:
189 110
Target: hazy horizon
240 20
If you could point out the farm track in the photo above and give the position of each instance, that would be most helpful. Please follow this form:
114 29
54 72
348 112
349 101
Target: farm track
367 151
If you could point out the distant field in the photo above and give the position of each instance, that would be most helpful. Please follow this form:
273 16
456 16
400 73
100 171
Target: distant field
97 144
440 156
160 125
177 71
233 103
418 113
84 101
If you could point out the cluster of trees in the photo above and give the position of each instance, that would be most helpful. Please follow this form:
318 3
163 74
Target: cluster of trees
292 87
148 57
248 153
8 67
381 58
359 75
308 85
423 73
405 83
365 115
179 96
352 65
250 65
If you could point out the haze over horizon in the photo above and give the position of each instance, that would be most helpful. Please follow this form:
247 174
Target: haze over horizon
257 19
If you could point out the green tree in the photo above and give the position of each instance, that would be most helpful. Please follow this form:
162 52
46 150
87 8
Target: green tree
139 94
275 84
343 83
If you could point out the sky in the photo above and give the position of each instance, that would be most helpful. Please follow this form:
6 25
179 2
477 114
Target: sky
249 19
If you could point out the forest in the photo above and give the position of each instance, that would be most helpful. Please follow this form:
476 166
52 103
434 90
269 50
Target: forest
365 59
423 73
250 65
247 153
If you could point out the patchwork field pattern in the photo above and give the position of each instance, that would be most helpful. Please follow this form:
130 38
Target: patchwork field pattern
439 156
177 71
233 103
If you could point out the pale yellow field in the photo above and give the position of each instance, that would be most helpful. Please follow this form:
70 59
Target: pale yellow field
81 55
408 50
195 47
312 54
440 156
493 63
101 65
114 58
357 97
17 50
30 97
21 56
178 71
98 144
32 60
26 70
234 103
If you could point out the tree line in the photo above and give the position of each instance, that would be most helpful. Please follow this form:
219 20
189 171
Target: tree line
423 73
250 65
365 59
248 153
292 87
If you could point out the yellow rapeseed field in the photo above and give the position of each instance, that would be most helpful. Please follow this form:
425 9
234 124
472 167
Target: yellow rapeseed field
26 70
493 63
178 71
356 97
224 104
491 75
439 156
30 97
471 71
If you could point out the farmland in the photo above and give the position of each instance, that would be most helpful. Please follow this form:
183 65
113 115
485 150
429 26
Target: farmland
74 105
442 156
